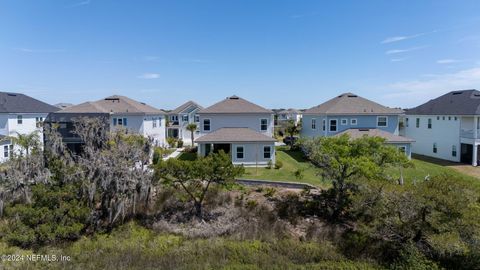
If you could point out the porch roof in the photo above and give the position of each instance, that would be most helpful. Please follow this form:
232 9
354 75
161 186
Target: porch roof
356 133
229 135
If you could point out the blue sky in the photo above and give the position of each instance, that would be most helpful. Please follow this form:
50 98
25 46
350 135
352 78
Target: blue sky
275 53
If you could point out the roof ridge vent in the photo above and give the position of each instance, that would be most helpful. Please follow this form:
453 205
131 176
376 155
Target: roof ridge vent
457 93
352 95
233 97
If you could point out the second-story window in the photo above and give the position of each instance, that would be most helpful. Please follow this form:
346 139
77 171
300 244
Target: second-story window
154 122
5 151
353 121
406 122
314 123
159 121
38 122
197 118
417 124
19 119
263 124
435 148
429 125
206 124
343 122
324 123
382 121
185 118
333 124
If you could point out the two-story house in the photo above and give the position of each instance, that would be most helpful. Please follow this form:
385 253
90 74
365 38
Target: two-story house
289 114
351 114
447 127
117 112
240 128
20 114
180 118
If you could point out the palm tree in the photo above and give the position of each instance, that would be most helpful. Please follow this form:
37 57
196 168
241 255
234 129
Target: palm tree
26 141
192 128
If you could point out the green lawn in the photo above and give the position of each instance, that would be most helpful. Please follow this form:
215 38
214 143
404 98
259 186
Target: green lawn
187 156
292 160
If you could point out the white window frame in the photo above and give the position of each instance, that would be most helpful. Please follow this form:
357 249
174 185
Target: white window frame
5 151
197 118
314 124
236 152
330 125
454 150
269 151
154 122
386 121
344 119
324 124
159 121
429 123
209 124
266 128
185 118
19 119
353 122
406 122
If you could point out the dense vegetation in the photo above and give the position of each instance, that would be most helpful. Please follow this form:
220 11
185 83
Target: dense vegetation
106 208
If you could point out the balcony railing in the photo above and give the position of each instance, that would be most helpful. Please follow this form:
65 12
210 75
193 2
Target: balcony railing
465 133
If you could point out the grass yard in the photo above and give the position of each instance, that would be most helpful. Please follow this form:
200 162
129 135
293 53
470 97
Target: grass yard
292 161
187 156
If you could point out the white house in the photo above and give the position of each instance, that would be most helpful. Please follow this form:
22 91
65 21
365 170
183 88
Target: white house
240 128
289 114
447 127
117 112
351 114
180 118
20 114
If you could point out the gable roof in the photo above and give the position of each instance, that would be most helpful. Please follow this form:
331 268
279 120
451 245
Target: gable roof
235 104
114 104
288 111
349 103
235 135
20 103
461 102
185 106
357 133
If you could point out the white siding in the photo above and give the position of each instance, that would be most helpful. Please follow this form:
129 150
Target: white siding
247 120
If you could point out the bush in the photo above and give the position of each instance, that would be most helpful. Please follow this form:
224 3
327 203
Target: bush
278 164
54 216
180 143
298 173
172 142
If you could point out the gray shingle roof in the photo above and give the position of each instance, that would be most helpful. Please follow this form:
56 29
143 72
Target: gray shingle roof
356 133
349 103
20 103
113 104
228 135
184 106
235 104
461 102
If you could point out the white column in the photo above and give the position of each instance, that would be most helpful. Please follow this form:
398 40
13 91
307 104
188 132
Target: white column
474 159
475 125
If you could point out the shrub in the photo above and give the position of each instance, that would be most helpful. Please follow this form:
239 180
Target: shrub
298 173
172 142
56 214
180 143
278 164
270 191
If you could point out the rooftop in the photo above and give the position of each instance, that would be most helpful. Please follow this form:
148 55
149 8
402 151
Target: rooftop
185 106
114 104
349 103
357 133
20 103
235 104
460 102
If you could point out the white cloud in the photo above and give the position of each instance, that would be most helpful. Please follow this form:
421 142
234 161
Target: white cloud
398 59
415 92
30 50
149 76
447 61
400 38
395 51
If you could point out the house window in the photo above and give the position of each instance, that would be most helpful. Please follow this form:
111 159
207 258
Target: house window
443 118
382 121
417 124
185 118
263 124
125 121
343 122
430 123
159 121
438 117
174 117
406 122
434 147
206 124
314 123
38 122
455 118
267 152
114 121
154 122
449 118
120 121
11 149
197 118
5 151
240 152
19 119
324 124
333 124
454 150
353 122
